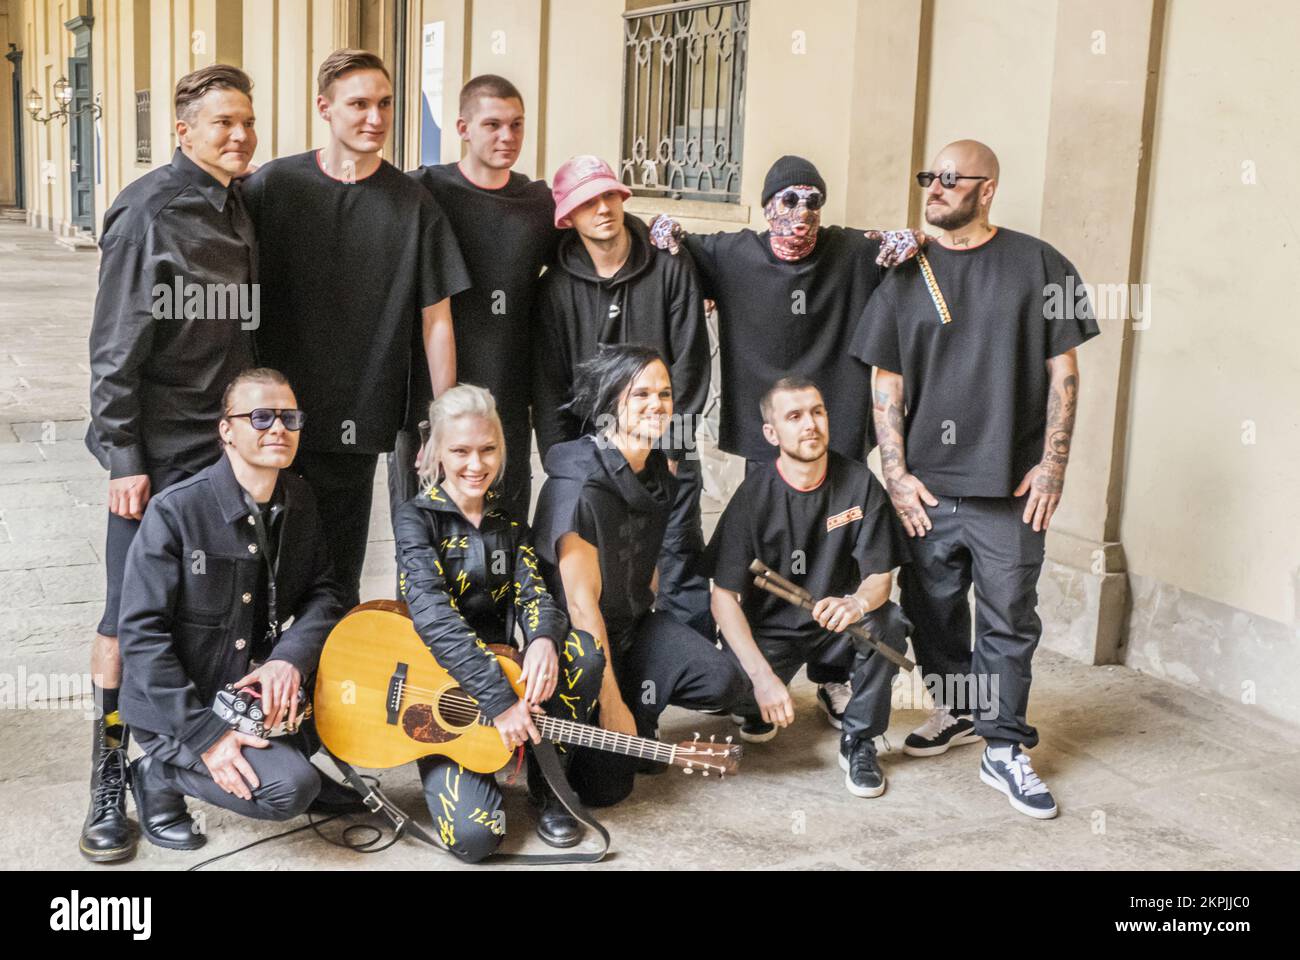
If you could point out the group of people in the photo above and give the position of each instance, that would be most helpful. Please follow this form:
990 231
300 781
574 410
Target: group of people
439 318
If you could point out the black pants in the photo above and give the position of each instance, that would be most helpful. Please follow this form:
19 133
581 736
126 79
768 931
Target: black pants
466 806
121 532
343 484
661 663
683 590
832 654
287 780
985 541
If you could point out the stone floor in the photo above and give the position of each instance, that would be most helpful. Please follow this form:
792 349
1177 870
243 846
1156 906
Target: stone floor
1147 774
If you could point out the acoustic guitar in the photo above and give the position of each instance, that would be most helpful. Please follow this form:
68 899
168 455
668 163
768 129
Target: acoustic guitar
382 700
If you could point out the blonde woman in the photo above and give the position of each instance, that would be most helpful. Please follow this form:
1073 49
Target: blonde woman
468 572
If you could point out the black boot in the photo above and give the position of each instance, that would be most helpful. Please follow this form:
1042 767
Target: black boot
555 825
107 835
163 818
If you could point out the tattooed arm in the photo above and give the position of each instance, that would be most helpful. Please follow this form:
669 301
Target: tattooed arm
907 493
1046 480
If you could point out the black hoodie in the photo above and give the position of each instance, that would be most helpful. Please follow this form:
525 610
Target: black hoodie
654 299
591 490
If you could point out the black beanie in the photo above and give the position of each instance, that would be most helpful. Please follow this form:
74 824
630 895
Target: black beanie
789 171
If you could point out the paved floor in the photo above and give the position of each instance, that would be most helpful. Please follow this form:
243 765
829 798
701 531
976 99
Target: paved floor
1147 774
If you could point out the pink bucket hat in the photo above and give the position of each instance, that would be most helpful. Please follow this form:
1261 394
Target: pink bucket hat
578 180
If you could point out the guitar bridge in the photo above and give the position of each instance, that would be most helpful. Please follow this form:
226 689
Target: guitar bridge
396 687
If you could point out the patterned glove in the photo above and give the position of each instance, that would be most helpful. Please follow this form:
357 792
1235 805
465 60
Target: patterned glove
666 234
897 246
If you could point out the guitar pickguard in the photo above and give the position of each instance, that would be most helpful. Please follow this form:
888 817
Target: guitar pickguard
421 725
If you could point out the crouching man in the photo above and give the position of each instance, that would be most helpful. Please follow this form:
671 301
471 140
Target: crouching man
221 563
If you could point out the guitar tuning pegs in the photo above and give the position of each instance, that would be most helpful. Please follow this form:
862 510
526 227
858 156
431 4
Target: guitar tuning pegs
687 770
713 737
728 738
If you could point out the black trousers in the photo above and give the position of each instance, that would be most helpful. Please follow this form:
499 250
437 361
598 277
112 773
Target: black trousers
343 484
121 532
981 540
870 677
683 590
466 806
287 780
660 663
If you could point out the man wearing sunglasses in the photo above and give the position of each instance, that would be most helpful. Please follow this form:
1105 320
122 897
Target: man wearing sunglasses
788 300
975 394
221 562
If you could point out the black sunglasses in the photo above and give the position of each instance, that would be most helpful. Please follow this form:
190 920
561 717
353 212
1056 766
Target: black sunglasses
262 417
948 178
791 200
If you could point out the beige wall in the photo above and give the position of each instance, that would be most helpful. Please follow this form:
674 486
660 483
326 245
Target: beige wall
991 80
7 181
1202 509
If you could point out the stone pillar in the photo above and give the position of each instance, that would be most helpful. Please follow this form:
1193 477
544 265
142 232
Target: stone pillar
1094 205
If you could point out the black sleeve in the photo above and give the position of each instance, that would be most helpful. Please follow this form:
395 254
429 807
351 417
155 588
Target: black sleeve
704 252
121 338
442 268
1076 322
538 613
731 549
879 546
562 508
320 608
157 694
251 190
451 640
875 341
552 375
688 336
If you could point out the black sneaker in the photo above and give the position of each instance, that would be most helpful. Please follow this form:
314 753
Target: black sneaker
941 730
833 698
754 730
862 773
1024 791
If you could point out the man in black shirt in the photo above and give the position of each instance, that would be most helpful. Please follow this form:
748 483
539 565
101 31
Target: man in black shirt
976 389
177 301
788 300
822 521
353 254
504 225
610 285
222 560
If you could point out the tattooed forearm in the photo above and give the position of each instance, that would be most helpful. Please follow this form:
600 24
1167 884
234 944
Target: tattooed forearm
887 411
1062 402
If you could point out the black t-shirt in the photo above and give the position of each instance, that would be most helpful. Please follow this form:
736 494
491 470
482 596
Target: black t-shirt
346 269
827 539
976 388
592 490
506 236
777 318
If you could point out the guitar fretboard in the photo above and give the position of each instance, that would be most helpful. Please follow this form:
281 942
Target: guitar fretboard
584 735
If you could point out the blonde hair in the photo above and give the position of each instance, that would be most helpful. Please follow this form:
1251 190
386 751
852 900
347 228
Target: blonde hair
462 400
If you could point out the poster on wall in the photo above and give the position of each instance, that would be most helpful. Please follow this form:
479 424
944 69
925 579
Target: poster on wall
431 94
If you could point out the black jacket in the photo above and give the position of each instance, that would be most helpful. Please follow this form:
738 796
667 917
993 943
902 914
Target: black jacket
159 363
654 299
591 490
463 584
189 623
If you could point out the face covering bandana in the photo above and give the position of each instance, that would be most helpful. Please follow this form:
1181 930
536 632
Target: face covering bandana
794 227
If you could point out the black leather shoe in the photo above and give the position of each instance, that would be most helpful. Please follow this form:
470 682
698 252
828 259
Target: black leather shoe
555 825
108 835
163 818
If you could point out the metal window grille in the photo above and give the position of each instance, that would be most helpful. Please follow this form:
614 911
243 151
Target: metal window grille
684 99
143 128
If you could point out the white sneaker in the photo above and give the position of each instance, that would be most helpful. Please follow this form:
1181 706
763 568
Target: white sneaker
940 731
1016 778
833 698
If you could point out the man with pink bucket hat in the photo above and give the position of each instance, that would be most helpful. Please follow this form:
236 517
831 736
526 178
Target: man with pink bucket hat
609 285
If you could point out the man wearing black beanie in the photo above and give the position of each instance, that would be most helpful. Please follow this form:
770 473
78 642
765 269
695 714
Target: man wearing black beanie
788 302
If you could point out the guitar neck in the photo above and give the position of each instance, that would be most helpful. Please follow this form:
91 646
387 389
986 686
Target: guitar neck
584 735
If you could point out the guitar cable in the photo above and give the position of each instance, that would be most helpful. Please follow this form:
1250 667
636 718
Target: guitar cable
347 843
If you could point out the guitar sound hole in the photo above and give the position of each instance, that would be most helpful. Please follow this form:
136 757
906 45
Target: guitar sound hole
456 709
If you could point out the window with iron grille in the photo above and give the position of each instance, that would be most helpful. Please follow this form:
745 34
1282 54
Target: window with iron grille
143 128
684 99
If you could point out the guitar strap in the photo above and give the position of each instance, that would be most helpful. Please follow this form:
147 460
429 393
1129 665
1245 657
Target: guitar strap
547 759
